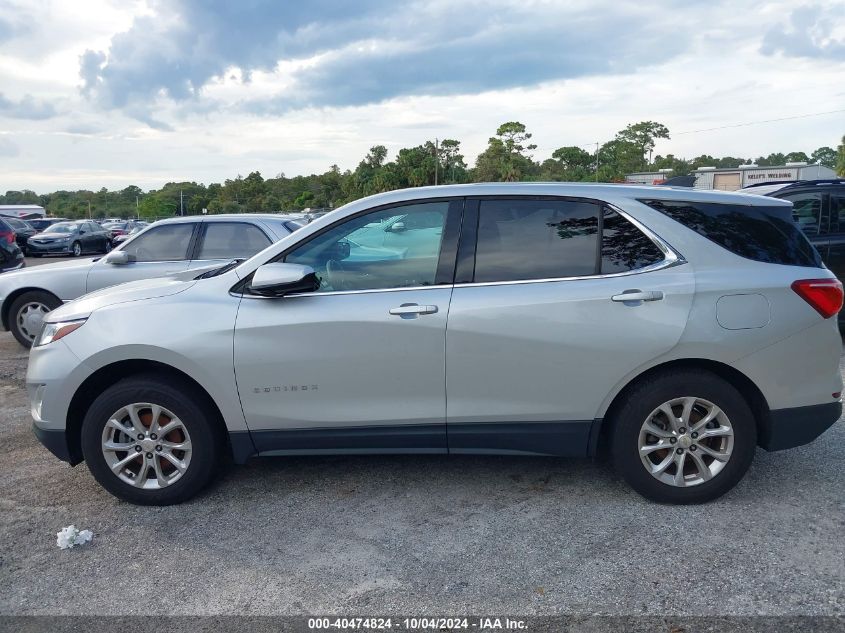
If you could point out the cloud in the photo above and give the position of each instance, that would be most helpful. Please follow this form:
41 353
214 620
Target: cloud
12 27
505 54
188 42
26 108
8 148
809 34
347 54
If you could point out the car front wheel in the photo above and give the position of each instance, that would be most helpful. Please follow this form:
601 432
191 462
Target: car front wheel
683 437
76 249
27 314
150 442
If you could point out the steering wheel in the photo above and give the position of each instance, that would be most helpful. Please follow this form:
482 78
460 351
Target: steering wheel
337 275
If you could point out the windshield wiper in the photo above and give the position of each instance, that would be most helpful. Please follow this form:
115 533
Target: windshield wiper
223 269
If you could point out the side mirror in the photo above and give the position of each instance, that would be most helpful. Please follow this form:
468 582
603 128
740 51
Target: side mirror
279 279
119 258
396 227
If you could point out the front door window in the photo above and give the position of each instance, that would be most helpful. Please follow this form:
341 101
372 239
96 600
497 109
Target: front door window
391 248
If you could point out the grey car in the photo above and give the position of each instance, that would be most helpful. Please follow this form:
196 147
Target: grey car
676 330
73 238
167 247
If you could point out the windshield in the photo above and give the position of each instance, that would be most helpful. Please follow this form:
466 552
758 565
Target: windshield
63 227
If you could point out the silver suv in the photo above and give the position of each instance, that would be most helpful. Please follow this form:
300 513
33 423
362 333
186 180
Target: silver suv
676 329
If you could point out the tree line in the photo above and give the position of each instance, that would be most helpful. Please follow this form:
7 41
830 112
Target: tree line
507 157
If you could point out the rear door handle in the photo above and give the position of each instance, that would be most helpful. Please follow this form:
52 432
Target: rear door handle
413 308
638 295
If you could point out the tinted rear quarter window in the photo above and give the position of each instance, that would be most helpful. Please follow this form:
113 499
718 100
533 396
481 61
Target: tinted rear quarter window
761 233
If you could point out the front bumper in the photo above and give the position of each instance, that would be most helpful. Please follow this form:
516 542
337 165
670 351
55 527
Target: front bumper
53 376
48 249
55 440
788 428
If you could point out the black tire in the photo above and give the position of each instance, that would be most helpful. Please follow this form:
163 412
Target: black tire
46 299
35 254
76 249
180 399
647 396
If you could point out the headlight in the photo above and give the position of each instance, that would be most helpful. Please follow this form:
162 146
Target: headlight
54 331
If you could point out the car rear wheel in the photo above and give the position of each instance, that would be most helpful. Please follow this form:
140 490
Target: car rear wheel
150 442
683 437
27 314
76 249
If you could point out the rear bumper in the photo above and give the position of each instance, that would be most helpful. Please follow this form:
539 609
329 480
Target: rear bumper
788 428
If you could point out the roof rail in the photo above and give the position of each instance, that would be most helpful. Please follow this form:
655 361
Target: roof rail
772 182
823 181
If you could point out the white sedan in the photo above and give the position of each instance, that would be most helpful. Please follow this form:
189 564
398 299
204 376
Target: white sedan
165 248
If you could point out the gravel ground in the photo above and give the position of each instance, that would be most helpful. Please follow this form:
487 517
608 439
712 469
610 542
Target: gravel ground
418 535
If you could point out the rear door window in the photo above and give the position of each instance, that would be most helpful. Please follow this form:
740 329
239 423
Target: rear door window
232 240
536 239
837 212
762 233
624 247
807 212
556 238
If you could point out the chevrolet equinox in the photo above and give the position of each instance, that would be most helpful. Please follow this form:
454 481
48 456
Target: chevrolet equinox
675 329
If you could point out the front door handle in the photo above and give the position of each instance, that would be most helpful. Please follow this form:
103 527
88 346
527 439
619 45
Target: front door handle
638 295
412 309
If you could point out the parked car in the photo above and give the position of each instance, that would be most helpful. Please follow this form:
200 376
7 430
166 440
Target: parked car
676 329
120 239
23 231
116 229
11 256
167 247
819 209
40 224
73 238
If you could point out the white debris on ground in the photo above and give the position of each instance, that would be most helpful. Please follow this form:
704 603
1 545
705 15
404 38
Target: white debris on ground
70 536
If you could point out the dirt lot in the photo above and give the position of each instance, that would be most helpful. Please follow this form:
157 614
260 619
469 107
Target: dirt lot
418 535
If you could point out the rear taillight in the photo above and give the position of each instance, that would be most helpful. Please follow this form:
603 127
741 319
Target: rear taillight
825 295
9 236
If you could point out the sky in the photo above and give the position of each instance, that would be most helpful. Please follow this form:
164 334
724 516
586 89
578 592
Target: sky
108 93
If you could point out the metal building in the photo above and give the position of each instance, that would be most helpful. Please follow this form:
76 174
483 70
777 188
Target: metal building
22 211
733 178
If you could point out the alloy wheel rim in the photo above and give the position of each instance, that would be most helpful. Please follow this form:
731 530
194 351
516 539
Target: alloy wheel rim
146 446
77 249
686 442
30 318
